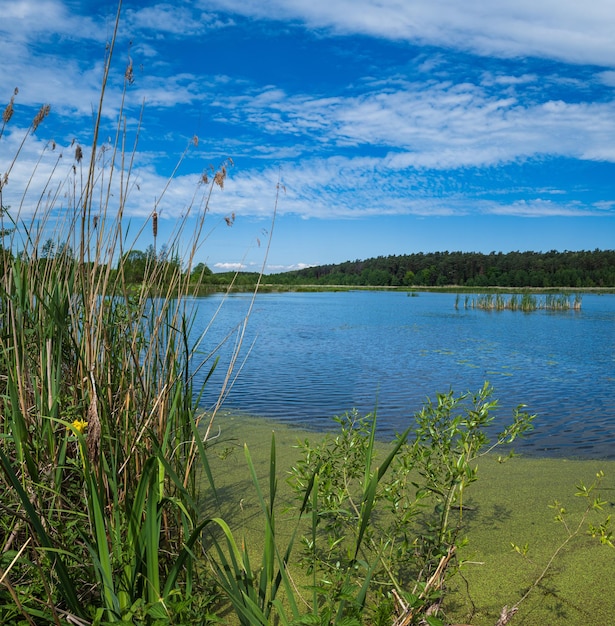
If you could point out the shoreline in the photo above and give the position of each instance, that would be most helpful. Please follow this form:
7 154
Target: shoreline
237 419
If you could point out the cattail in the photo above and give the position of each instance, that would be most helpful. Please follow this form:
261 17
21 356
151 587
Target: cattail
40 116
155 224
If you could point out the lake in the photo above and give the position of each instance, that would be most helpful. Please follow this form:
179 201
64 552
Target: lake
306 357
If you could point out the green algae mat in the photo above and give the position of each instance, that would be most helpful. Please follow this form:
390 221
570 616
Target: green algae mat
512 502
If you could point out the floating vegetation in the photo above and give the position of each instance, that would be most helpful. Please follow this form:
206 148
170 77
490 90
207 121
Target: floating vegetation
525 302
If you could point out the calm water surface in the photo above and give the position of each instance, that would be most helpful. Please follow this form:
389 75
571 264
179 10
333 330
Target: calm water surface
309 356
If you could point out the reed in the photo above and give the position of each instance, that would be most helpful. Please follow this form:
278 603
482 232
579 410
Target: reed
101 453
527 302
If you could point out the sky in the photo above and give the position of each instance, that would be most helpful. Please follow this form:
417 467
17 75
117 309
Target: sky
348 128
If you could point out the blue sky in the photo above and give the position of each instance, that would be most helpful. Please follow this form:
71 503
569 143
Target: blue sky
394 126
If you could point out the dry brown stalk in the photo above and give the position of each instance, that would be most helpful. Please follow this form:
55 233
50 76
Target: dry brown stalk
435 582
94 430
506 615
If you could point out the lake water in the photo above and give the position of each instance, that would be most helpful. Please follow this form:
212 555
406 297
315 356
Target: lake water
309 356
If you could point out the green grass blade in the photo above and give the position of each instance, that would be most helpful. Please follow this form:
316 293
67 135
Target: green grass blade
235 578
203 458
104 568
152 537
67 587
369 452
183 557
401 440
366 511
268 556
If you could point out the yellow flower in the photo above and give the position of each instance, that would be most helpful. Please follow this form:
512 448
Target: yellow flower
79 425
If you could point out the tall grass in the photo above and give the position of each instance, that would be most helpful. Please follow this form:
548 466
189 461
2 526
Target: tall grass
99 423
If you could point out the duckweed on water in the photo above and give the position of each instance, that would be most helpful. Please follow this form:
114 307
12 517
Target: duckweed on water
508 504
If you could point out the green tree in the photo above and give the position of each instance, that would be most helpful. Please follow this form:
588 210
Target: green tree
200 273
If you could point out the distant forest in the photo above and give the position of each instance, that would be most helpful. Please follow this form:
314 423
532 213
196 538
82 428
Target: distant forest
582 269
569 270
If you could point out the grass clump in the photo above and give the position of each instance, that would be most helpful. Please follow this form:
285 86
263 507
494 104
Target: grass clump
509 504
99 420
526 302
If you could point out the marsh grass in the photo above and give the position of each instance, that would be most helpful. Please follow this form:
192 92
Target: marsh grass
99 421
525 302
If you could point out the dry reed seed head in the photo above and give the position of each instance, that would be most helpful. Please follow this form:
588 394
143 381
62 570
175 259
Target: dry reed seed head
78 154
128 74
40 116
204 178
195 140
230 219
155 224
8 111
219 177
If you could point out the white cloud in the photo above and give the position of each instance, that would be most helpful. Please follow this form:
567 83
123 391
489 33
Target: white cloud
434 124
230 267
161 19
608 78
566 30
287 268
538 208
27 20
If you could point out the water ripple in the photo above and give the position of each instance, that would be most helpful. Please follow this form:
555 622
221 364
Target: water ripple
317 355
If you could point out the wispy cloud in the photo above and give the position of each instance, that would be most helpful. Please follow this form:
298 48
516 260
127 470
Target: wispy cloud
164 19
556 29
435 124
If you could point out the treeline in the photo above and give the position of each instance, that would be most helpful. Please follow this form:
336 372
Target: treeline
583 269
